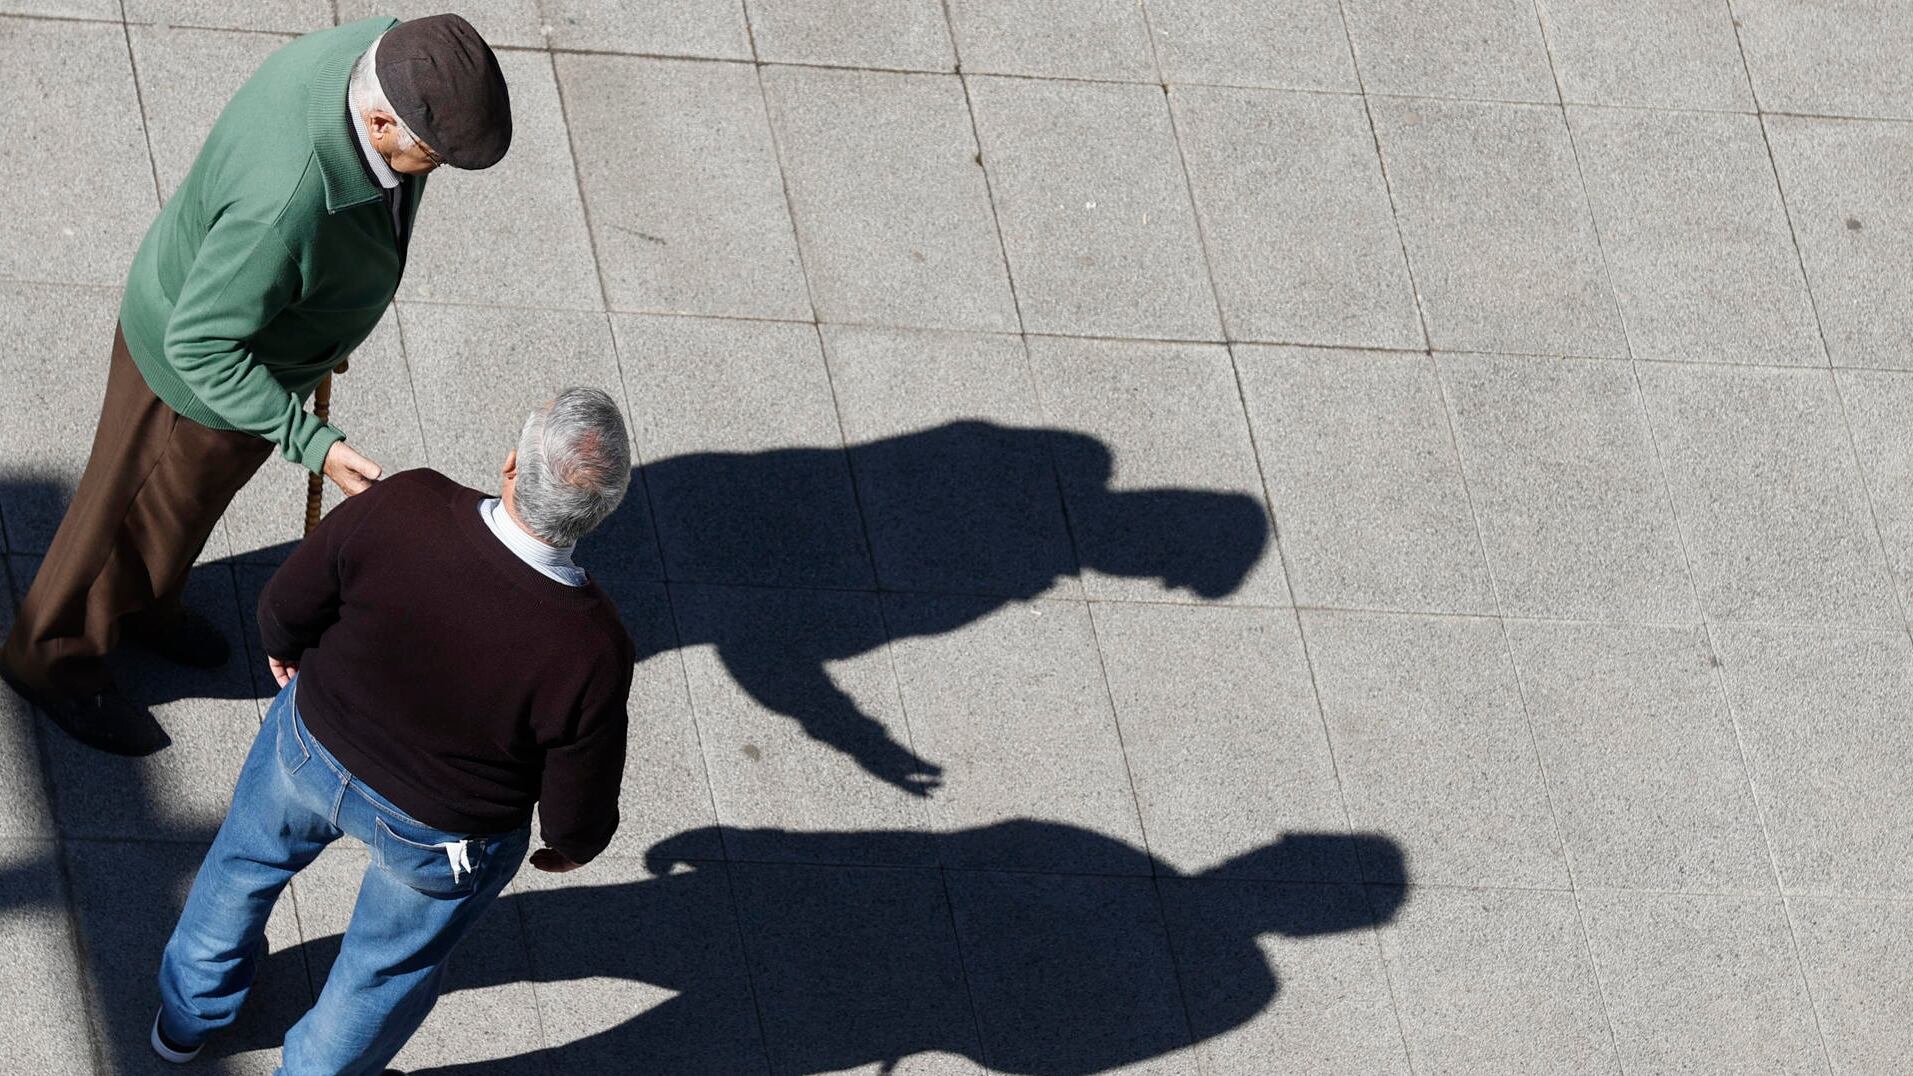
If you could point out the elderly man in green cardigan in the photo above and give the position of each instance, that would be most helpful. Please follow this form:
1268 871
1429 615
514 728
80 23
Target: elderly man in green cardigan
272 262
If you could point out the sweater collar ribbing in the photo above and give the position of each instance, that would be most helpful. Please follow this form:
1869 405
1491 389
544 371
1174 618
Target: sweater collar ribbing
346 182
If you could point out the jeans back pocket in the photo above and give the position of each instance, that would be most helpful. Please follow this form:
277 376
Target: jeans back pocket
444 870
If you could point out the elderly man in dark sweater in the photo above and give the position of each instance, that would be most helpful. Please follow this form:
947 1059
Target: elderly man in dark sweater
443 666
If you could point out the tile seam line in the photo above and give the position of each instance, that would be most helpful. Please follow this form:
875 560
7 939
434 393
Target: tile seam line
139 98
1886 562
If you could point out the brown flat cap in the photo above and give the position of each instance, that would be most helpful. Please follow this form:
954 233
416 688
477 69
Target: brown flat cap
444 82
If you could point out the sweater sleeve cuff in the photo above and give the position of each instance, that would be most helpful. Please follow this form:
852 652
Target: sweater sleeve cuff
319 441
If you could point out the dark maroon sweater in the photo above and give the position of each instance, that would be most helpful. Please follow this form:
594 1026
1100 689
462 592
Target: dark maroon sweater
451 677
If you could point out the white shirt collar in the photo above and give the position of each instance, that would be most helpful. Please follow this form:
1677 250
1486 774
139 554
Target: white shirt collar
553 561
381 171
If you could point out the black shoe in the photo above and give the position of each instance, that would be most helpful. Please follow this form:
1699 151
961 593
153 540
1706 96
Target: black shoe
108 721
187 639
176 1052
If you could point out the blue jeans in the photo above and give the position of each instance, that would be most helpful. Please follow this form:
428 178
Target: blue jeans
423 889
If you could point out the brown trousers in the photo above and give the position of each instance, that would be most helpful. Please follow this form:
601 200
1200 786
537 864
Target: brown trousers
152 492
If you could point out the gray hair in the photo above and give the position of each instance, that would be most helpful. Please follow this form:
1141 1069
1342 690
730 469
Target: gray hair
363 93
574 463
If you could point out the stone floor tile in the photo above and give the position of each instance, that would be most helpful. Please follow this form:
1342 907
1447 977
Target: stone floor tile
1641 757
854 966
499 22
1283 977
108 10
744 458
1011 703
55 373
712 29
25 812
1844 194
284 16
1835 57
798 714
1702 270
1768 495
954 470
1489 49
1070 974
1822 723
44 1022
1363 476
1658 54
1294 46
374 404
1858 956
178 794
1158 471
1879 408
1433 749
127 898
513 233
1563 477
627 965
1105 39
55 71
1214 703
687 205
1296 219
892 208
185 79
1094 208
1702 984
1496 980
911 35
487 1015
1503 250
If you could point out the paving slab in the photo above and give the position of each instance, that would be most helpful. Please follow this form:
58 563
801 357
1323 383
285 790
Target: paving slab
1278 976
1768 494
1296 46
58 70
499 22
1821 716
1094 208
1703 983
178 794
1837 57
1703 271
1432 746
798 713
26 814
1842 180
108 10
1657 54
1070 974
701 28
55 374
1158 471
1500 241
1496 980
953 467
1857 955
1490 49
185 79
1364 480
1642 761
1011 703
1224 739
1296 218
744 459
1563 477
892 207
1097 39
513 234
1879 407
626 964
39 964
855 967
910 35
685 199
284 16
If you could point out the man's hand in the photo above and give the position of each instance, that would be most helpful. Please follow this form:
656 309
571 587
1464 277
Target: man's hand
348 470
281 671
553 861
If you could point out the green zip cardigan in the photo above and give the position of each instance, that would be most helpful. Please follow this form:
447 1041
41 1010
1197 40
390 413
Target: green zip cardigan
274 259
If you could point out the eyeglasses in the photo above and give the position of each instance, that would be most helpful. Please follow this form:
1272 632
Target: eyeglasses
430 153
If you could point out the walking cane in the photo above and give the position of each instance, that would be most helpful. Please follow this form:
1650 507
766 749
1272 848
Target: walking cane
315 484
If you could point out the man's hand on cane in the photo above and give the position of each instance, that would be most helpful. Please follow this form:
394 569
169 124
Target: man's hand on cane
348 470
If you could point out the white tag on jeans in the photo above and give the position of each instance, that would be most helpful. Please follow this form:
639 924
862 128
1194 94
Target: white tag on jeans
459 852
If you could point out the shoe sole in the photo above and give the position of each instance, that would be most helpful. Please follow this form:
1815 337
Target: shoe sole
167 1053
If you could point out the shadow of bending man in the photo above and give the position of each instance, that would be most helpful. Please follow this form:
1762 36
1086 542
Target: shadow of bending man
1058 975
